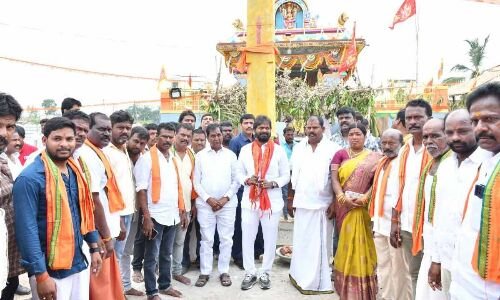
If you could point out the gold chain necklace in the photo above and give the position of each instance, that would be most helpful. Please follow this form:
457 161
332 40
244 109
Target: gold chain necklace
353 154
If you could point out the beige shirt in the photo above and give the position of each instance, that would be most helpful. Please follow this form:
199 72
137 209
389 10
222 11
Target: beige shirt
185 169
123 169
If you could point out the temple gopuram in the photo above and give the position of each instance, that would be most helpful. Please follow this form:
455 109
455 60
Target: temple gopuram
307 50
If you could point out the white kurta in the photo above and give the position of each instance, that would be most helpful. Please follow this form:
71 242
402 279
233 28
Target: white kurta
310 269
466 283
424 291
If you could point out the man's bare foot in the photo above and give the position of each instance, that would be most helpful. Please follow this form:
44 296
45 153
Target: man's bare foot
183 279
171 292
134 292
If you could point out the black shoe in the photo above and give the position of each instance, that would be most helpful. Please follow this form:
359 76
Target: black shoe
239 263
248 282
264 281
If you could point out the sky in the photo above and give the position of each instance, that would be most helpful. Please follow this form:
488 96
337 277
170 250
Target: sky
137 38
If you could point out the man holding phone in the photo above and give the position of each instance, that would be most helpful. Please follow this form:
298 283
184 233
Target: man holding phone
159 193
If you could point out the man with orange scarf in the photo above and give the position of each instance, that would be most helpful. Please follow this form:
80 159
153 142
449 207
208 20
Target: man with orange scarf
263 170
429 194
160 196
108 202
476 262
410 164
389 259
54 215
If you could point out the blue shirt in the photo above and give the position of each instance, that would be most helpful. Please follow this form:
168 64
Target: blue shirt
30 207
288 149
238 142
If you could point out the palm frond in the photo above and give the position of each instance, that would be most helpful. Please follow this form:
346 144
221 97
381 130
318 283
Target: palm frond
461 68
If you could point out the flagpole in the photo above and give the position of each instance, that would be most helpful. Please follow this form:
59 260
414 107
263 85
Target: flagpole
416 48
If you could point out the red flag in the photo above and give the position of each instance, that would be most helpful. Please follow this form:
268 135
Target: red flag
190 81
440 71
350 56
407 9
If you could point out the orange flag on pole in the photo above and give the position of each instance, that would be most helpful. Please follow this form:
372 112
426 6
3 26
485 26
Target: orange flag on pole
407 9
440 71
350 56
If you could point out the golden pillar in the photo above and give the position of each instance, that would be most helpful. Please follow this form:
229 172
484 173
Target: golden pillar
261 72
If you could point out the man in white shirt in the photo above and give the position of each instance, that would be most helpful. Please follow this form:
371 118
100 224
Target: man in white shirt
116 151
429 193
157 185
216 184
12 155
185 157
107 198
476 268
389 259
261 197
410 163
312 191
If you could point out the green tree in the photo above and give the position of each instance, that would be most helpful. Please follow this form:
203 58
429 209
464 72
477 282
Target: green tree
476 53
144 114
50 107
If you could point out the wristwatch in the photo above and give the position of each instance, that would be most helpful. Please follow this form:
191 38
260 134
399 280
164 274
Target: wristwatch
275 185
94 250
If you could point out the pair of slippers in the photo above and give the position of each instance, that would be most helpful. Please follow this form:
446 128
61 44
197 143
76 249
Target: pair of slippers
225 280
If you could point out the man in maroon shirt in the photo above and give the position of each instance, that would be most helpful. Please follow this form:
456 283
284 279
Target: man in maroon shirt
26 149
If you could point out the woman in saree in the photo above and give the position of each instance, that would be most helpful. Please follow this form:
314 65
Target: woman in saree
356 259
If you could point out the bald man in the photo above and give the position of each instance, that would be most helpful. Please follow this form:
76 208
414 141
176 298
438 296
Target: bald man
393 283
429 191
460 170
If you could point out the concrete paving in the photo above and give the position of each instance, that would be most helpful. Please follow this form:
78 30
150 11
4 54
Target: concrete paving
281 286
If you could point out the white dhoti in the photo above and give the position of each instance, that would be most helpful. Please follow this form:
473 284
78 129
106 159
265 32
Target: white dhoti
390 264
310 269
424 291
250 220
74 287
223 219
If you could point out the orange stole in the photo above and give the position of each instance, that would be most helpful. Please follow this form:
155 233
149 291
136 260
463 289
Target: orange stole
486 257
108 283
156 179
115 199
384 161
261 162
426 157
60 235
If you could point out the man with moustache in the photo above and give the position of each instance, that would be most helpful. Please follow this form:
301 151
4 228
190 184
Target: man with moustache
243 138
227 133
389 260
197 144
159 192
263 171
347 116
457 175
10 112
410 164
12 153
137 142
313 207
399 124
108 202
476 264
187 117
116 153
429 193
185 156
289 135
57 269
216 184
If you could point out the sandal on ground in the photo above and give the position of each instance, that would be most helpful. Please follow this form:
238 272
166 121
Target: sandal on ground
225 279
202 280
